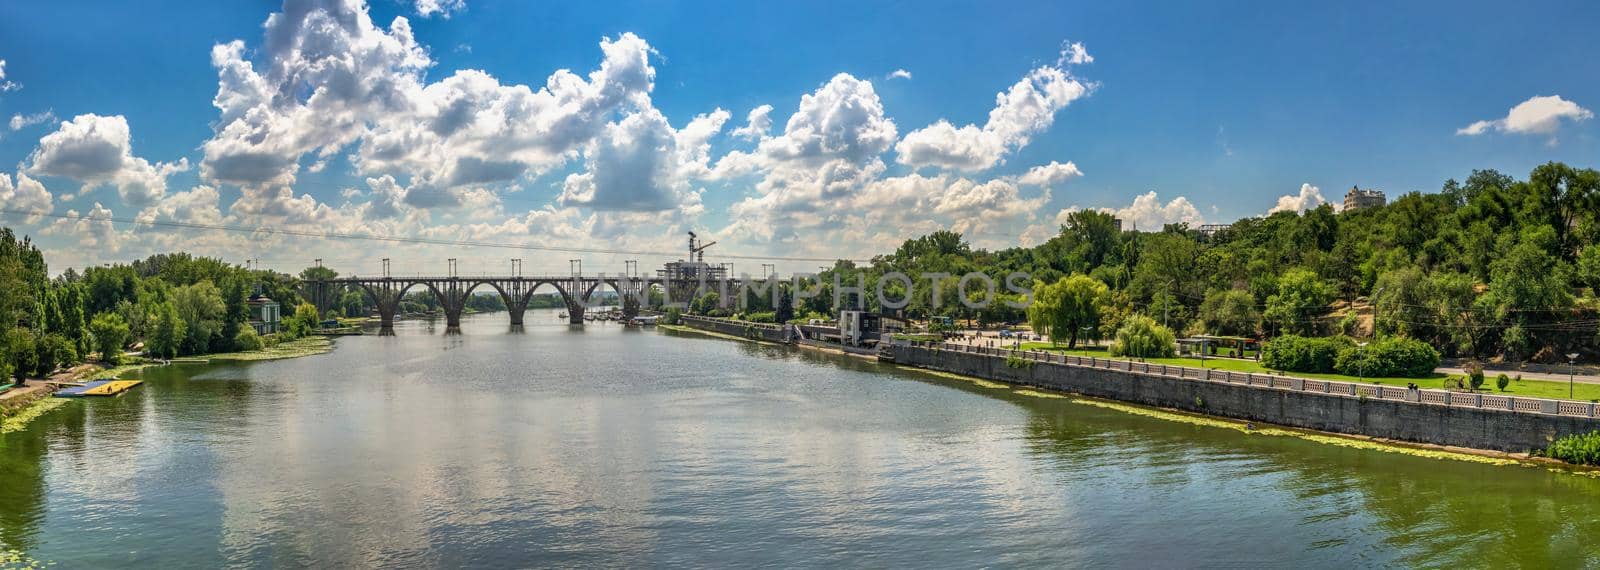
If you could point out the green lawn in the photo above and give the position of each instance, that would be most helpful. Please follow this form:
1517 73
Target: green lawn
1530 388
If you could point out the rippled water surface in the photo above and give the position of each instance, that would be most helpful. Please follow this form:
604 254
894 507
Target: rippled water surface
589 446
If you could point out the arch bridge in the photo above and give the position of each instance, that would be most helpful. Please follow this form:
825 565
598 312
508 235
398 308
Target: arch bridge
516 291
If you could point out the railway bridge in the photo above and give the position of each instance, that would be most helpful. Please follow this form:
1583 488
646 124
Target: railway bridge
453 291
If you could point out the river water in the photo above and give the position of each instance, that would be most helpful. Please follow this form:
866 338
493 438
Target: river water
597 445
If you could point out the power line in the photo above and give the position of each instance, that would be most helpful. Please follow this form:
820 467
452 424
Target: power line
396 239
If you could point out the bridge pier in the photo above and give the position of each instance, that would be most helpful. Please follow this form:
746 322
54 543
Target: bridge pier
386 320
574 313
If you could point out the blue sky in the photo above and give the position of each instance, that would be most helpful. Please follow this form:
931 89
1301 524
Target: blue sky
1229 107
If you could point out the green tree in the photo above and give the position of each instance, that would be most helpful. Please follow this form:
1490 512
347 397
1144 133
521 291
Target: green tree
110 333
1401 303
202 309
1142 337
168 334
1230 312
1068 308
304 321
21 353
1301 297
55 351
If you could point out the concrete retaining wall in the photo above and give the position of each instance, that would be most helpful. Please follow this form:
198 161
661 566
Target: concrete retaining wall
1479 428
757 331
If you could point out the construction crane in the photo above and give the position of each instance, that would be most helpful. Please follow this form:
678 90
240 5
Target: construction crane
698 252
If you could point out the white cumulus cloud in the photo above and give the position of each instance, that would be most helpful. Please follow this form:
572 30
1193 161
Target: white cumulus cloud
25 194
1148 213
94 150
1050 174
1309 197
757 124
1536 116
427 8
1026 109
898 74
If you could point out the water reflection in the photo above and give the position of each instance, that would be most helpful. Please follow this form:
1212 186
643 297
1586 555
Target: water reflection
597 445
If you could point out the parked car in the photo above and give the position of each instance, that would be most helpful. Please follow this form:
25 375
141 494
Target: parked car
1005 333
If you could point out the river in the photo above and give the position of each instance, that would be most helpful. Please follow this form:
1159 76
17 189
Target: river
598 445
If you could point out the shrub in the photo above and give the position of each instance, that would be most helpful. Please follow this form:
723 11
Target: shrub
1302 354
247 340
1502 381
671 317
1392 356
1580 448
1141 337
766 317
1475 375
1014 360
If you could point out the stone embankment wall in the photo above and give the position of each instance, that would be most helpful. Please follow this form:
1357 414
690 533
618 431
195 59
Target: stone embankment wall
755 331
1465 420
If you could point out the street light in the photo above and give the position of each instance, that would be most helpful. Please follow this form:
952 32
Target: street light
1361 367
1572 360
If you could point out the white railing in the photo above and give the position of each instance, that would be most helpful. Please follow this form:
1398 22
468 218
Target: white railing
1424 396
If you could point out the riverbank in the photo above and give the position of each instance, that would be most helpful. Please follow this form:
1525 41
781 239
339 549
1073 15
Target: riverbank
711 333
1470 455
19 406
1362 417
1477 421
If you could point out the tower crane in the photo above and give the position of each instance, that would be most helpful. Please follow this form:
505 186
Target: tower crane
697 252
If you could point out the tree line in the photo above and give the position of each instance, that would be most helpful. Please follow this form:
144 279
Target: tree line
169 304
1488 267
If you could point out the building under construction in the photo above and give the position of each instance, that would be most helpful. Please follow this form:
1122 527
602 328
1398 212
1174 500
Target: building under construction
684 278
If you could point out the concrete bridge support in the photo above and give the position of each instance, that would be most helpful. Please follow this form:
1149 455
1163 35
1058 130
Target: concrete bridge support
386 295
452 296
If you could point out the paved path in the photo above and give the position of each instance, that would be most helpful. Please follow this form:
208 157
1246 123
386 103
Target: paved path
992 338
1491 374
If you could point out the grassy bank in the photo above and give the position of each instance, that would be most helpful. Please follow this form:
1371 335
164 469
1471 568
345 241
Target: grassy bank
306 346
688 329
44 402
1528 388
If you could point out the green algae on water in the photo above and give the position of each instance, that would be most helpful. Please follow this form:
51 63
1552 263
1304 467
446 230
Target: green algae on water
19 420
1308 436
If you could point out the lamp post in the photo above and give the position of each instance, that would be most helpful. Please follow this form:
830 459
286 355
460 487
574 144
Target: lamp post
1361 368
1572 360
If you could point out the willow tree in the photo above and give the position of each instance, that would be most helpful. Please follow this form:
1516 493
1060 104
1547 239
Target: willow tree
1068 308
